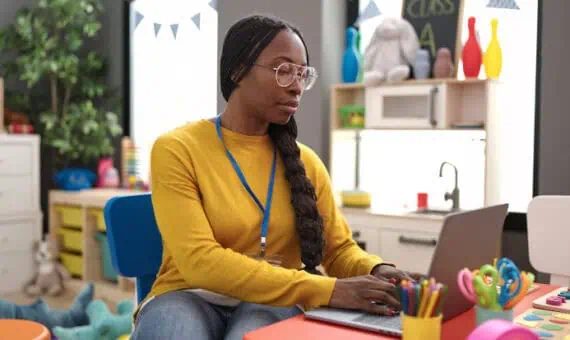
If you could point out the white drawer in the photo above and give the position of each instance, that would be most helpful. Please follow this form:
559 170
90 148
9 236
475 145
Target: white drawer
17 195
368 238
16 159
409 251
16 269
17 236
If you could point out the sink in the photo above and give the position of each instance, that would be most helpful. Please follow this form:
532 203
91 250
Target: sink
433 212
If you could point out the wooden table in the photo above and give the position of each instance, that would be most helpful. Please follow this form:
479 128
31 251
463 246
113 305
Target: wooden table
457 328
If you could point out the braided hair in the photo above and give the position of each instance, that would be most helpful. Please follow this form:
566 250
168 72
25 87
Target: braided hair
243 43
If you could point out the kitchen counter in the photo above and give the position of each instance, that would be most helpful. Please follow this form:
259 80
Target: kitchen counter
403 213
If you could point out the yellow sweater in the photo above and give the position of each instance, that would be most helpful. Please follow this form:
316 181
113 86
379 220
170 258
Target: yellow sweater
208 221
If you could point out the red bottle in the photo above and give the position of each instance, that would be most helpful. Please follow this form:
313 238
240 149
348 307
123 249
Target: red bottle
471 56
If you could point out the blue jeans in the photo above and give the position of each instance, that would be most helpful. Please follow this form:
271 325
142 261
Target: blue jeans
185 315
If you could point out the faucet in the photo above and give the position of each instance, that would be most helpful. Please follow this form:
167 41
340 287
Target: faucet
454 195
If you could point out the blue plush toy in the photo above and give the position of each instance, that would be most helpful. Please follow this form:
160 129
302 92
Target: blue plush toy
75 179
103 325
40 312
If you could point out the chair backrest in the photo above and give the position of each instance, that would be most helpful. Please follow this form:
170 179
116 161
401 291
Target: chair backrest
548 224
134 240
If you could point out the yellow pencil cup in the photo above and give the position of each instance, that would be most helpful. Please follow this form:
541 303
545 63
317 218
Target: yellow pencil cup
416 328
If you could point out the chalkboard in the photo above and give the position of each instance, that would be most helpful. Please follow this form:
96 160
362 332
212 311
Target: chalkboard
438 24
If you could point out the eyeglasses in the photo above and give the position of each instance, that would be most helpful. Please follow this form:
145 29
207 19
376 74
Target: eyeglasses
286 73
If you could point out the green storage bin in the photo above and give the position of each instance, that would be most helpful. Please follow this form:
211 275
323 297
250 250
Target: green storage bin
109 272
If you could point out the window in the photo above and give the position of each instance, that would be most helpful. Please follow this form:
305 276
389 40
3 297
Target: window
395 165
173 68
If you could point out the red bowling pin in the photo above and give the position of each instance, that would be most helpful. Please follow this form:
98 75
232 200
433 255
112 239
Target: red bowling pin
471 56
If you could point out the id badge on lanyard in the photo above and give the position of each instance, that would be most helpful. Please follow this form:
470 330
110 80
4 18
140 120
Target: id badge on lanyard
265 210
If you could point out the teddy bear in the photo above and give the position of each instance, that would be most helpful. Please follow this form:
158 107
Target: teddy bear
50 274
391 51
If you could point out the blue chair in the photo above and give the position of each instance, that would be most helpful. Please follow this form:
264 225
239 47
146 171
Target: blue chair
134 240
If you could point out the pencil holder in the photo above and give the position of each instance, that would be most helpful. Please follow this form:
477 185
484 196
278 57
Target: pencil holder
484 314
417 328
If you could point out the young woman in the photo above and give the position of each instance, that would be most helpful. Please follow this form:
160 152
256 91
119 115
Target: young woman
247 213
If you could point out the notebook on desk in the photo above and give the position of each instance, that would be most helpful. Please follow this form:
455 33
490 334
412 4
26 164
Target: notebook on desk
475 234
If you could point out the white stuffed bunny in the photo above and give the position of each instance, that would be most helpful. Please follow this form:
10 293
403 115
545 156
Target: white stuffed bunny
392 49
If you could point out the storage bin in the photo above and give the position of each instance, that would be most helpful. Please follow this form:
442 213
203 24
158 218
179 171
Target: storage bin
71 216
109 272
73 263
99 218
72 239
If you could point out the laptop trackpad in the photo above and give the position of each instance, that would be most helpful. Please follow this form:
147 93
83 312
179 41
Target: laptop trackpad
394 322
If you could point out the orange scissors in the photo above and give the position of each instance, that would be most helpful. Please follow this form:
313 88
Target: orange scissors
527 280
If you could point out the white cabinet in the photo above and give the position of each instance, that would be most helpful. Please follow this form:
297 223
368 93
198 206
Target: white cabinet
407 240
20 212
405 106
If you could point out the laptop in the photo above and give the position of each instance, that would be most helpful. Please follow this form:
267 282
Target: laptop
467 239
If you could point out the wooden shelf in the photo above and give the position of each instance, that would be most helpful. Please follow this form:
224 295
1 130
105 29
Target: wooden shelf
361 86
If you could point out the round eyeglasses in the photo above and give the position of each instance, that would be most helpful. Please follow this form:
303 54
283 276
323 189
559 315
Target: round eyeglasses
286 73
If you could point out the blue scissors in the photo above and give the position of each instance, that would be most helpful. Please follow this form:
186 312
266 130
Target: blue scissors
510 277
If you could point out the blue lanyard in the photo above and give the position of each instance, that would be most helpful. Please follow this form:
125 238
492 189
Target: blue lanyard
267 210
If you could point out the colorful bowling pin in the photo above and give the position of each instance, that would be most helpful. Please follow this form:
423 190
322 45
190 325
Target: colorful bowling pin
350 59
471 56
493 58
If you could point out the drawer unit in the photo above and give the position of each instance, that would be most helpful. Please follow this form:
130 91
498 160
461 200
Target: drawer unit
18 235
16 269
16 158
411 251
17 195
73 263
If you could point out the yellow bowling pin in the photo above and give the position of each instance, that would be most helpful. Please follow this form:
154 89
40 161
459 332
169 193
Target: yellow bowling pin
493 58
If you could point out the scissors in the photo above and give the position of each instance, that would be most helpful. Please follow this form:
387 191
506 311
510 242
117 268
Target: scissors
465 283
510 281
487 295
527 280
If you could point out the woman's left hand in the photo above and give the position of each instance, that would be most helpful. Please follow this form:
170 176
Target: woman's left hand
390 273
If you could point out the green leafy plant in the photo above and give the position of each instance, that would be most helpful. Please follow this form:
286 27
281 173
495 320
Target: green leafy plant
46 49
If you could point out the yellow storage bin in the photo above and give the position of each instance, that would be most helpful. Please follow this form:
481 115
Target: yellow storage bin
73 263
70 215
72 239
99 218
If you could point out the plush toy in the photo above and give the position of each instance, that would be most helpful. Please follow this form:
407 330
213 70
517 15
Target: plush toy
391 51
103 325
50 274
40 312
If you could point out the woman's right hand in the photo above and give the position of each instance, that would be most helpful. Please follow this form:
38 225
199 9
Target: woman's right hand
367 293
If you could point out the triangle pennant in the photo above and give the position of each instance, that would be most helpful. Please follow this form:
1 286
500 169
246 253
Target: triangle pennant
156 29
138 18
174 28
370 11
196 20
213 4
506 4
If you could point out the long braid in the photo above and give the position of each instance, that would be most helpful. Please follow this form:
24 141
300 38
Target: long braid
245 40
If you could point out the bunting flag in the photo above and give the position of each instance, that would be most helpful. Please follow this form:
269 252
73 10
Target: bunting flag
138 18
369 12
196 20
156 29
506 4
174 28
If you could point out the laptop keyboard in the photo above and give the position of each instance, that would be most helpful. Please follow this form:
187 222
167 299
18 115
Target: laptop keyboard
377 320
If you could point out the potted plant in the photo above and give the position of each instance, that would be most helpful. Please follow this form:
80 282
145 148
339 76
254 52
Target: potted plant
65 91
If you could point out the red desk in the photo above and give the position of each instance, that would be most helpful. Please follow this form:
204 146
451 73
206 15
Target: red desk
457 328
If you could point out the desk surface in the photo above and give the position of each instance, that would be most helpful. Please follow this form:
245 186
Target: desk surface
300 328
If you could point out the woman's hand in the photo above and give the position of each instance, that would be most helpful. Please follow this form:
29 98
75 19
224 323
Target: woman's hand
394 275
367 293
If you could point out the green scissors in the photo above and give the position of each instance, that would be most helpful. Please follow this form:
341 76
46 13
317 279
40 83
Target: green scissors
487 295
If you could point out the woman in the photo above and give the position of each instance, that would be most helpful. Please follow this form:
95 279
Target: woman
241 206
